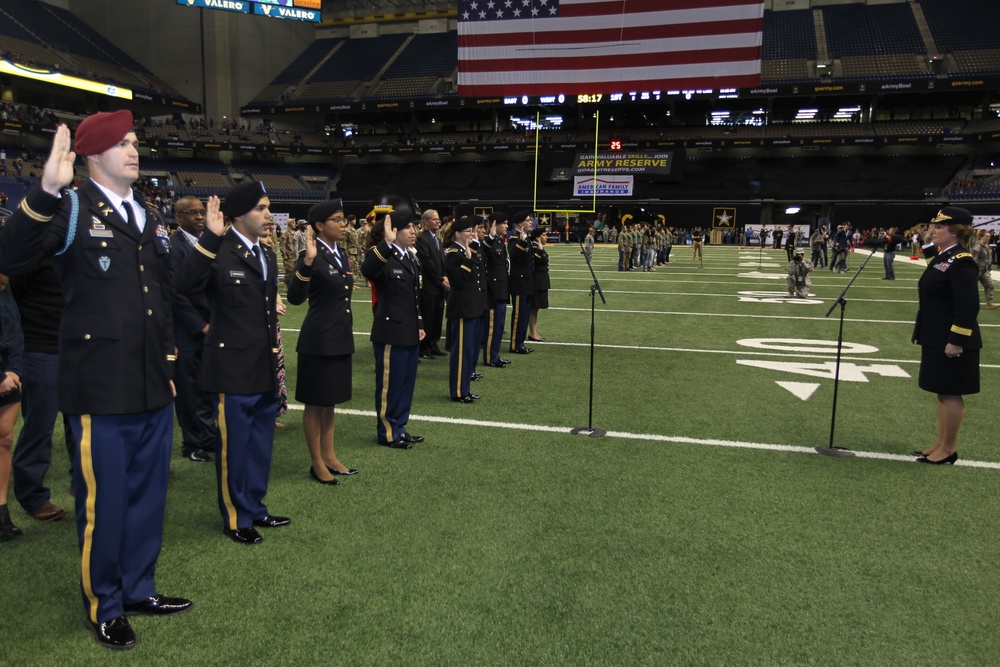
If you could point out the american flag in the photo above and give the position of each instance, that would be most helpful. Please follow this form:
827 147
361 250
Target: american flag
547 47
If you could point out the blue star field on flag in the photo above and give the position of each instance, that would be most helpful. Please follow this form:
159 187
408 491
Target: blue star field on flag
500 10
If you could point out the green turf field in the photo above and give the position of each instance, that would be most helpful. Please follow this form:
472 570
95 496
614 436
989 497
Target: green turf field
703 530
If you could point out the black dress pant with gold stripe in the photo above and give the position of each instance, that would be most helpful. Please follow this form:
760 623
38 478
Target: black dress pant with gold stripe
121 488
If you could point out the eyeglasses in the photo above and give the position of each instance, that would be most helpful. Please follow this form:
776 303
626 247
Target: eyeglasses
336 218
192 213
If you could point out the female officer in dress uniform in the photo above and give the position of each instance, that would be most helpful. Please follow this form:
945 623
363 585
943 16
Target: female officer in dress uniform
466 305
326 342
946 327
542 284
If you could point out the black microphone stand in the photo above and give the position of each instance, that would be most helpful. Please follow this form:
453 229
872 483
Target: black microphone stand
594 290
760 251
830 449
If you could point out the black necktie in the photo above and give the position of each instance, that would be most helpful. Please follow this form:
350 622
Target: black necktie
256 253
130 217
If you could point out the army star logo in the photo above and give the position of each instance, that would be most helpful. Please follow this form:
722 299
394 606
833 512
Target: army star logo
105 262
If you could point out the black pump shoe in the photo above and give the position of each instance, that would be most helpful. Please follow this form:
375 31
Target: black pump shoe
949 460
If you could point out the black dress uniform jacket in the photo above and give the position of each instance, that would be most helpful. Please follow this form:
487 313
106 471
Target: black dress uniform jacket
522 272
241 346
479 257
541 265
328 328
497 267
397 319
116 341
191 311
465 299
949 300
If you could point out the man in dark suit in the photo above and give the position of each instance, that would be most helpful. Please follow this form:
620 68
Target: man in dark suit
521 282
116 353
239 366
397 326
433 285
193 406
497 268
465 310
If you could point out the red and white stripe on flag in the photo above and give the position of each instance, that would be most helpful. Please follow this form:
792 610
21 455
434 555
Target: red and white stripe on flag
574 47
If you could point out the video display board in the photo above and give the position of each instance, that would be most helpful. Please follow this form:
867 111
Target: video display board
296 10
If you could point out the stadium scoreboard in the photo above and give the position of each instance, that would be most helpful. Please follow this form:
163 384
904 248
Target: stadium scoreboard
296 10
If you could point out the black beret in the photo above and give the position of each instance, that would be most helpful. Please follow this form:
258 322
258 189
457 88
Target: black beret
519 217
499 218
464 223
402 210
243 198
321 212
537 231
952 215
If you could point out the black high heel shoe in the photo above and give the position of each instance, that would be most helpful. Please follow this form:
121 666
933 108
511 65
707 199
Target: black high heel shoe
918 453
950 460
328 482
349 471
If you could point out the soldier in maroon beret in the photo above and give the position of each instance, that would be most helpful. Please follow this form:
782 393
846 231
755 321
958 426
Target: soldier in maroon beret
116 354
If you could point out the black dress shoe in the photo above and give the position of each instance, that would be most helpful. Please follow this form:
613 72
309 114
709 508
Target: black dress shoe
496 364
474 397
427 355
197 455
463 399
349 471
116 634
412 439
476 377
159 605
437 352
272 521
244 535
329 482
524 350
503 361
397 444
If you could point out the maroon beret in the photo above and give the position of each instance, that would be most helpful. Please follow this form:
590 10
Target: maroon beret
101 131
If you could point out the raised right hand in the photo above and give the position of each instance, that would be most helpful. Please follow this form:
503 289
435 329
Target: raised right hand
214 219
390 233
310 246
58 171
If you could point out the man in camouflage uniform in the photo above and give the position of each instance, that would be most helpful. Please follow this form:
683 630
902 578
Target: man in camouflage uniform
287 255
351 245
981 252
798 271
